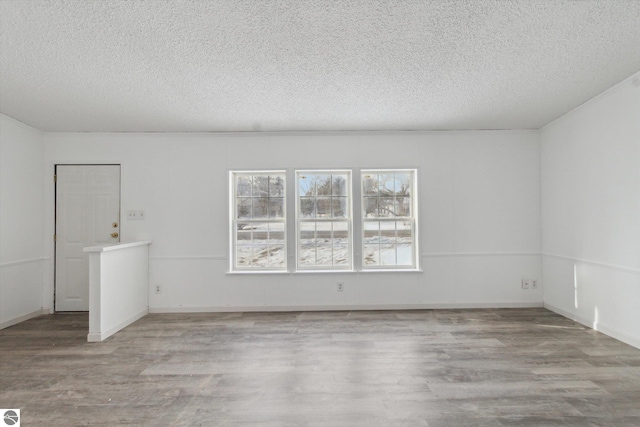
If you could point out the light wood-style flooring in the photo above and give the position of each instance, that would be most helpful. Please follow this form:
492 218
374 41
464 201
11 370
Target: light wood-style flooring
498 367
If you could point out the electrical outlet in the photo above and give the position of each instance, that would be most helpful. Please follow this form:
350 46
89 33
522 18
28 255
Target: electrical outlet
157 289
340 286
534 284
526 283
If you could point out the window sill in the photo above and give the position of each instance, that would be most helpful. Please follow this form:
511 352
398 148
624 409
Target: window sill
287 273
248 272
392 270
324 272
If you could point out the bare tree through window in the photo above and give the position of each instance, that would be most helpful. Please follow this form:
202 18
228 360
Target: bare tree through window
388 219
259 221
324 219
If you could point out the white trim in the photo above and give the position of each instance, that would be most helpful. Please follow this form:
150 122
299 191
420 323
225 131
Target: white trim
627 81
599 264
23 261
278 308
22 318
116 246
325 271
189 258
101 336
590 323
380 270
250 272
476 254
391 270
423 255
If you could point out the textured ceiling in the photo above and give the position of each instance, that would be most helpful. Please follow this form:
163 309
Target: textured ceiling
281 65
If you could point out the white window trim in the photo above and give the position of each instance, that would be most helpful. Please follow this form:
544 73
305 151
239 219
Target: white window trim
349 220
233 220
415 255
356 221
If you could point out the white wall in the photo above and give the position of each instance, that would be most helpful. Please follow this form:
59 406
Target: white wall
119 287
479 197
591 212
21 222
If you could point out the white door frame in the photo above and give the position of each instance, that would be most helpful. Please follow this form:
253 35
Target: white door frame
49 278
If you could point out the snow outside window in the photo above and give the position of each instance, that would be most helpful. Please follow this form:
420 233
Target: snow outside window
324 238
388 219
258 221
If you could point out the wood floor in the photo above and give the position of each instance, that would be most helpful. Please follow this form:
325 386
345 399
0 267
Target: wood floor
504 367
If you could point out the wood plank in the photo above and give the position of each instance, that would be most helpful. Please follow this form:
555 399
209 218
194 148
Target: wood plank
494 367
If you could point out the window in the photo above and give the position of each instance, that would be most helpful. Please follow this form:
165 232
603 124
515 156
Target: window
388 219
258 220
321 237
323 201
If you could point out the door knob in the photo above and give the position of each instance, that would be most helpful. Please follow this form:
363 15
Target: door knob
114 225
114 234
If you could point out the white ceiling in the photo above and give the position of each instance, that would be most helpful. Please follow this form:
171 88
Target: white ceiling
286 65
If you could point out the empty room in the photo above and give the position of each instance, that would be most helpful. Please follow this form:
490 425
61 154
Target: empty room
320 213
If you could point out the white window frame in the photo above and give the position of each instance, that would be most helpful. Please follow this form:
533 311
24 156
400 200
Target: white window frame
234 220
412 218
348 220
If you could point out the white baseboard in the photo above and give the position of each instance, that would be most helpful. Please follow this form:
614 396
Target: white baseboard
101 336
590 323
263 308
22 318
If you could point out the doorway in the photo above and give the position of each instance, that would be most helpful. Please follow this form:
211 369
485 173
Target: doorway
87 213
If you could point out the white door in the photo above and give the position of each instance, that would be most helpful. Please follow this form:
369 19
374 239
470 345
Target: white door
87 214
